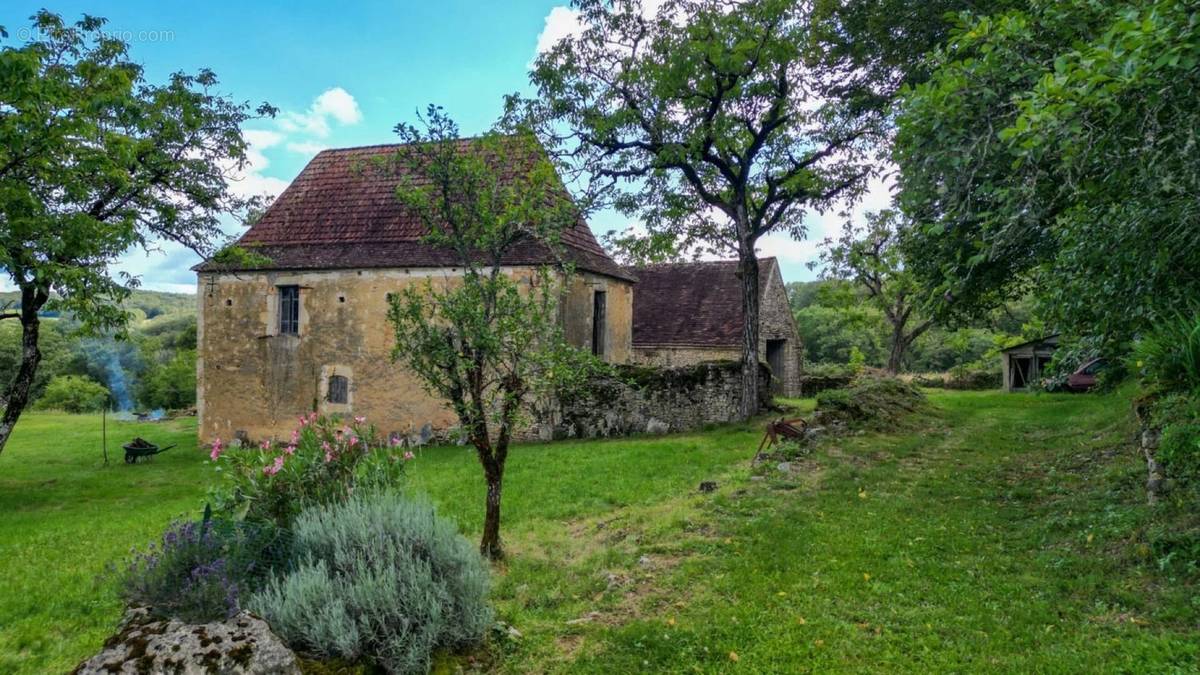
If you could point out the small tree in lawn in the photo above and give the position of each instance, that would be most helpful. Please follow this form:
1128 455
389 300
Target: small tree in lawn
870 256
484 341
715 122
93 161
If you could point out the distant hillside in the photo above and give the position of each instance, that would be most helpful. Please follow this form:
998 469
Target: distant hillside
151 306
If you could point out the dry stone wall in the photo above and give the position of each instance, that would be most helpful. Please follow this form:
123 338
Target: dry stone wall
648 399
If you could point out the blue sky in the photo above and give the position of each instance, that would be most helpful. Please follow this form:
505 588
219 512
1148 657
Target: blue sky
344 74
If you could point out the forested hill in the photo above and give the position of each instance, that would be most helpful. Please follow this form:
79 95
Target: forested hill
154 368
144 304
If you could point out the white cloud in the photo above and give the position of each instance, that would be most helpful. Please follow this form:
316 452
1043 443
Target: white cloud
561 22
306 147
333 104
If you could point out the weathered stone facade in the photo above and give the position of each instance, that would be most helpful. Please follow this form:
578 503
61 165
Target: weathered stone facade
652 400
254 382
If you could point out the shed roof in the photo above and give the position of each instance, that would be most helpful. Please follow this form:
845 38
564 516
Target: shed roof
1048 340
696 304
341 211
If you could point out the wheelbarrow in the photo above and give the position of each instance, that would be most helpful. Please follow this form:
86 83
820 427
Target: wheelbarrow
140 448
786 429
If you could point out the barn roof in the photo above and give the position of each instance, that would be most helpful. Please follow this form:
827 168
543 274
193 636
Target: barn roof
342 212
696 304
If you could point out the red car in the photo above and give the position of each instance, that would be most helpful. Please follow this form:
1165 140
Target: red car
1084 377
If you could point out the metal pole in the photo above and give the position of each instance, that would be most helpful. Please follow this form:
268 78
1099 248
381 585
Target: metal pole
104 427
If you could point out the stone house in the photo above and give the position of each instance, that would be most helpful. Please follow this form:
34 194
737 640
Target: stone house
687 313
303 326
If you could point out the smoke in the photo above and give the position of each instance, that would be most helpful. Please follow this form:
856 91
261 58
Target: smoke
103 355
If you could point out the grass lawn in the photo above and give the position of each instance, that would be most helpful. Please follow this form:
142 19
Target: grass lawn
998 533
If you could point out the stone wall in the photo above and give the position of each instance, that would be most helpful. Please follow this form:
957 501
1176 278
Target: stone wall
647 399
253 382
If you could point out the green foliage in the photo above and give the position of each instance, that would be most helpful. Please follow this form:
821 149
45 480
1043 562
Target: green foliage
199 572
488 342
235 256
171 385
870 257
1168 356
326 461
379 578
73 394
95 160
1052 149
870 402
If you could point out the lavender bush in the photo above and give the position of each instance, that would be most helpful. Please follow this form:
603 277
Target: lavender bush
199 572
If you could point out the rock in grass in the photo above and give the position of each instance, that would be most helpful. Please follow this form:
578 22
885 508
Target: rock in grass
144 644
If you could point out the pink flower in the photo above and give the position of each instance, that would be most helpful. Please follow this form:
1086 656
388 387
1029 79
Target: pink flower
328 451
353 441
303 420
216 449
312 417
359 420
291 449
272 469
265 445
396 441
408 455
295 436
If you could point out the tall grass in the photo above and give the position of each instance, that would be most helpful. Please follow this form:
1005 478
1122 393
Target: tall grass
1168 357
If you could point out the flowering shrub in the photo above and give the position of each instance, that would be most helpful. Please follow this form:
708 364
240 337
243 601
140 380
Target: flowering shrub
199 571
325 461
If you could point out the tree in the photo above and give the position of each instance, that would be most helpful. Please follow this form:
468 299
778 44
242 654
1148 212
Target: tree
487 340
95 160
870 256
1053 149
713 122
74 394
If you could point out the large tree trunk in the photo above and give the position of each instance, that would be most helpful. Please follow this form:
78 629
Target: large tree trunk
16 394
489 544
899 346
748 271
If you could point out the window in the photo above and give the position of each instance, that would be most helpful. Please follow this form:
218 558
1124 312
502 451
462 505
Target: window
289 310
339 389
598 327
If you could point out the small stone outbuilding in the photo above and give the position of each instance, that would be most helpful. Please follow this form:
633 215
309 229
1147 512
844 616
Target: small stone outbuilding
688 313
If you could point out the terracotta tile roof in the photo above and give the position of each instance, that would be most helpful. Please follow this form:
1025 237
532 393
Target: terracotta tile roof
695 304
341 212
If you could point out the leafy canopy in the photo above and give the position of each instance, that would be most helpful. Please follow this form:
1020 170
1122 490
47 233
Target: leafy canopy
709 118
94 160
1054 149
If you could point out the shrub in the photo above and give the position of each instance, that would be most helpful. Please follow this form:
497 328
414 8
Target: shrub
170 385
1168 357
875 402
325 462
198 572
379 578
73 394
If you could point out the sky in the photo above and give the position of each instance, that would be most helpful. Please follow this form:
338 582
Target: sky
344 74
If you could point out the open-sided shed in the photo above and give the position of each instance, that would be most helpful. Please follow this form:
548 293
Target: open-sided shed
1023 364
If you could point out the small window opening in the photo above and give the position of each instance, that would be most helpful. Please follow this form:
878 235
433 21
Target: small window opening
598 322
229 303
341 298
339 389
289 310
